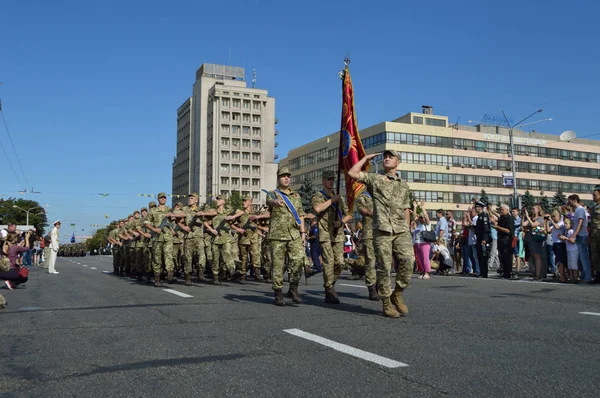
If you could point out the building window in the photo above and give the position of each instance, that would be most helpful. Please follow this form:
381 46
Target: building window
224 168
245 182
235 142
235 182
256 105
256 182
255 169
435 122
224 181
235 168
246 169
256 195
235 103
225 101
246 143
225 116
255 118
255 144
235 155
255 130
236 117
417 120
225 129
246 130
245 156
235 130
225 141
224 155
256 157
246 118
246 104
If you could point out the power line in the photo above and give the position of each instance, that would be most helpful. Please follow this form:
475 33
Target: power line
12 144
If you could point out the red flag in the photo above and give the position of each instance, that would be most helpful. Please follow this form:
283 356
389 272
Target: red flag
351 149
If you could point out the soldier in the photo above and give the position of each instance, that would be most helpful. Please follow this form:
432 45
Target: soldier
249 240
151 241
136 245
208 237
364 204
142 245
391 218
194 240
178 236
286 235
221 248
332 214
265 246
595 235
163 245
122 239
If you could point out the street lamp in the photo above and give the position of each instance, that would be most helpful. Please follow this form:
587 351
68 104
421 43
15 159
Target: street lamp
512 154
27 211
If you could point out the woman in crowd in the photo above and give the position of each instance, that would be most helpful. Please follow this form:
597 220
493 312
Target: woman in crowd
556 227
422 247
11 250
572 251
536 243
505 227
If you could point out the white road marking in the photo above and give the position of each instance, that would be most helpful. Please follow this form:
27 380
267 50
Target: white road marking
590 313
78 263
346 349
347 284
94 268
175 292
107 272
84 265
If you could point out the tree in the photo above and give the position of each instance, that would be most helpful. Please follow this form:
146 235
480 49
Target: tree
11 214
546 205
528 200
100 237
235 200
484 198
559 198
306 191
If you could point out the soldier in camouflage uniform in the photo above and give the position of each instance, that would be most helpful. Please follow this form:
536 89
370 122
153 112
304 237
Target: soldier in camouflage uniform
221 248
595 235
265 246
332 213
151 241
124 238
364 205
286 236
136 245
249 240
178 236
144 266
391 218
163 245
194 239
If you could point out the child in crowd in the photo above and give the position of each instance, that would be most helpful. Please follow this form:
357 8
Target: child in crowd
572 252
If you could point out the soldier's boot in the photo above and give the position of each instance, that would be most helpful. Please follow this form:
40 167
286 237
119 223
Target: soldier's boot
188 279
279 301
115 270
242 279
170 278
201 277
257 276
308 272
388 308
293 293
216 280
331 296
157 281
398 301
373 296
139 275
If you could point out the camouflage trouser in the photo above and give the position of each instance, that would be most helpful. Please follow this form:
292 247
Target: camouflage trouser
125 258
117 257
295 255
235 251
194 246
266 258
333 260
253 249
132 259
595 250
207 249
149 256
177 252
368 252
387 247
222 260
140 258
162 249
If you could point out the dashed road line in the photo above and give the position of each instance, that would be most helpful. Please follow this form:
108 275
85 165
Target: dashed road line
590 313
94 268
84 265
346 349
175 292
347 284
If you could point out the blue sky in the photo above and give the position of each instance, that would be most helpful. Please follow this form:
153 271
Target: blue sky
90 89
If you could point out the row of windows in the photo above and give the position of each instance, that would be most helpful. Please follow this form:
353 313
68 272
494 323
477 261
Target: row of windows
235 130
235 142
483 146
236 181
238 94
238 117
235 168
318 156
227 193
236 103
226 155
482 181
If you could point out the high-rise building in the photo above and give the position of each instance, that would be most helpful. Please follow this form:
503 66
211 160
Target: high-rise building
225 137
448 166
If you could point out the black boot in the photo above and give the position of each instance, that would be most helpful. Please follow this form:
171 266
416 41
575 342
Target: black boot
331 296
373 296
279 298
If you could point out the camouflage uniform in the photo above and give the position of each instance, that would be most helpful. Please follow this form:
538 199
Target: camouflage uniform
265 248
221 246
194 241
285 238
249 243
116 250
330 237
367 251
163 244
391 233
178 238
595 237
142 246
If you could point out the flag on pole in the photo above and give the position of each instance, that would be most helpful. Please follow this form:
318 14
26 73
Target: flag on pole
73 238
351 148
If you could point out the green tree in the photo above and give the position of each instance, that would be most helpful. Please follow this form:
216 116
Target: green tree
306 191
559 198
235 200
100 237
10 212
484 198
528 200
546 205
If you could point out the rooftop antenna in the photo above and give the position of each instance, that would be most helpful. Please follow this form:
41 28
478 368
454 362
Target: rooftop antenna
456 124
253 77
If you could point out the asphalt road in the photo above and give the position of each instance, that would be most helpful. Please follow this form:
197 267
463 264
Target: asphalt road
87 333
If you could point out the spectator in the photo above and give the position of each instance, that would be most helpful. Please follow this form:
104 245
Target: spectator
422 247
12 250
315 246
572 251
518 241
441 228
482 232
505 227
472 242
580 233
555 227
536 240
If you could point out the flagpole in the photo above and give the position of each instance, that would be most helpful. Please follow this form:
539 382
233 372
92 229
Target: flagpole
339 171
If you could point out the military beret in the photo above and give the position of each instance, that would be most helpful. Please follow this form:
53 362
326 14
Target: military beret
328 174
283 171
162 195
393 153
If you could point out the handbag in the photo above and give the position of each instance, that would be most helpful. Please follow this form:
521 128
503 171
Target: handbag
23 273
515 240
429 236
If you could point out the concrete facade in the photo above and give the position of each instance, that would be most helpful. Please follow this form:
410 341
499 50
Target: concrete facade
231 137
448 166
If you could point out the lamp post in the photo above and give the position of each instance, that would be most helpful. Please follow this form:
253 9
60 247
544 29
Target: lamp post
27 211
512 153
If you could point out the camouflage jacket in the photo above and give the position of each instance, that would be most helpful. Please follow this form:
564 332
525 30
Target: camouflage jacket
364 201
390 199
251 234
327 231
197 228
155 218
282 224
219 220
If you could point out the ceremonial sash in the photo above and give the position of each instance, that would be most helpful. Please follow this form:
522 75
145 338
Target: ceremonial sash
335 206
290 206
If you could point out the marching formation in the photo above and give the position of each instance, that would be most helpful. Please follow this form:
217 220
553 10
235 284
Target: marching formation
220 243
